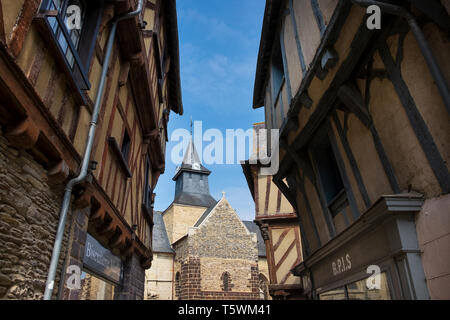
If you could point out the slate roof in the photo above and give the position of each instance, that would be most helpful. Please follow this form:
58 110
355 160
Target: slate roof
160 240
253 228
205 214
192 186
175 98
195 199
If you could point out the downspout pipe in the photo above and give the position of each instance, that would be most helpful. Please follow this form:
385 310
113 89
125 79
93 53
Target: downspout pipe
87 154
421 40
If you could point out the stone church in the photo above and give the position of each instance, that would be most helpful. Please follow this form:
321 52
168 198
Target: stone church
202 249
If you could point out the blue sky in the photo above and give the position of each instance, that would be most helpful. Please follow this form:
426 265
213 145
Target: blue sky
219 43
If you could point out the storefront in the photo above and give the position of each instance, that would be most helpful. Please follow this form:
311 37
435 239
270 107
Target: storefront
98 266
376 258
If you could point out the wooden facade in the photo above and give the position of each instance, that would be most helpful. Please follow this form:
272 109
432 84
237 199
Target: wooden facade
279 227
46 105
364 152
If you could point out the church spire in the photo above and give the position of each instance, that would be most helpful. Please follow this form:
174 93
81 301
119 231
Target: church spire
191 157
192 186
191 161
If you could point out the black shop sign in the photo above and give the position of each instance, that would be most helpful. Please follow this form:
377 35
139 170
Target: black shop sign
101 261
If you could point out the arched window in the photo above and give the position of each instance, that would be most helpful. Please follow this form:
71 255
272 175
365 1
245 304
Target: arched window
226 281
178 286
263 287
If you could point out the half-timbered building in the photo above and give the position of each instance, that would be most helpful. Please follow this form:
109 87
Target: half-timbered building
363 114
277 221
59 61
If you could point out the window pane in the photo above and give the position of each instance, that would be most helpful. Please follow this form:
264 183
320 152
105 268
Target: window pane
62 42
75 37
360 291
93 288
336 294
53 5
126 146
70 58
53 24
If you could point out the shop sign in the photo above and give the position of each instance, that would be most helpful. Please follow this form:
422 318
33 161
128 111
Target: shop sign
341 265
100 260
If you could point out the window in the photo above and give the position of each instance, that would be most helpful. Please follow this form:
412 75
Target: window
332 185
359 291
147 189
63 8
329 173
126 144
226 282
95 288
277 70
72 45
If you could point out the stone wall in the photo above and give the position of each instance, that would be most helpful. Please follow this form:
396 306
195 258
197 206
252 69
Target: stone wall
223 235
212 269
29 214
221 244
29 210
192 279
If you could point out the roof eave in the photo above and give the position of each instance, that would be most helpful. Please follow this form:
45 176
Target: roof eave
271 16
175 96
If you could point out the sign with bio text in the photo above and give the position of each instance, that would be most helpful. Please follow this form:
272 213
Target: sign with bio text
102 261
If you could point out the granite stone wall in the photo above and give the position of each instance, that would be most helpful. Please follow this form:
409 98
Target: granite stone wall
221 244
29 210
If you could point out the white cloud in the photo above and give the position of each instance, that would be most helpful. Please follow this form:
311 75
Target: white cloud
213 72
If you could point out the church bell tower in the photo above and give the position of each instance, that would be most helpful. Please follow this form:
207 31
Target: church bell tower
192 186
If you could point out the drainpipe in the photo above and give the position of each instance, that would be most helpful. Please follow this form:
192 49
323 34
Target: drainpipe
87 154
421 40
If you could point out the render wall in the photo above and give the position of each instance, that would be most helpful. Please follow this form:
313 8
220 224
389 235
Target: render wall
159 278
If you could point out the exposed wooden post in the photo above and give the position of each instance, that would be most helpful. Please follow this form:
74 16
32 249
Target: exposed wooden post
19 33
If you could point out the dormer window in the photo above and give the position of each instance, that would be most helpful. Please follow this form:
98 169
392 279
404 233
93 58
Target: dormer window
196 166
